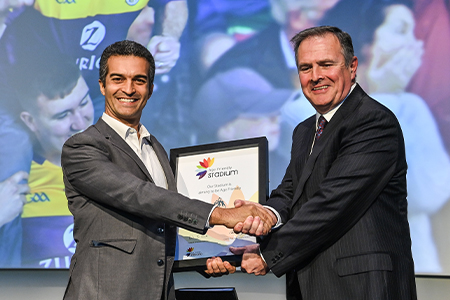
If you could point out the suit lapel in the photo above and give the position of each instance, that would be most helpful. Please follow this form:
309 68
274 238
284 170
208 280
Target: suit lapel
306 138
304 165
349 105
116 140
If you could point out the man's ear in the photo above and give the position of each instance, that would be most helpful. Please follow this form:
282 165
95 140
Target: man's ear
28 119
150 91
102 87
354 64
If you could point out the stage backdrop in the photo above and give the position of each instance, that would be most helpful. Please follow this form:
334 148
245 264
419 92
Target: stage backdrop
225 71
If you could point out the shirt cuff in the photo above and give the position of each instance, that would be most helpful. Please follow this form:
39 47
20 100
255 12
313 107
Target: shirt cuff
207 222
279 223
260 254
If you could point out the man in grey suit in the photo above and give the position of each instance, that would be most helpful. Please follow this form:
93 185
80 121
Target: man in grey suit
342 211
122 193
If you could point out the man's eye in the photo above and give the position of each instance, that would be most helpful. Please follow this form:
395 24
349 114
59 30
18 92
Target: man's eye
60 116
84 102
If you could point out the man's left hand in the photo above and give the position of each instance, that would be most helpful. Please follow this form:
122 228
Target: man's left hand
252 262
215 267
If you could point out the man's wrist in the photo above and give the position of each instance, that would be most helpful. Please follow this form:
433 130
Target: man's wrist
212 215
277 215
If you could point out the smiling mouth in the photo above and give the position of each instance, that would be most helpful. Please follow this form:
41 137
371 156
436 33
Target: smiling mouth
126 100
320 88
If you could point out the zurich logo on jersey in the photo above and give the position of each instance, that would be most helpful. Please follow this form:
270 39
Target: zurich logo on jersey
92 35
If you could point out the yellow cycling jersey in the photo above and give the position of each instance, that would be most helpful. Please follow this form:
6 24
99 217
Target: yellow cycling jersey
77 9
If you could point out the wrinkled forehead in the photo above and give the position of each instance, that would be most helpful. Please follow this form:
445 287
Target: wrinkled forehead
326 42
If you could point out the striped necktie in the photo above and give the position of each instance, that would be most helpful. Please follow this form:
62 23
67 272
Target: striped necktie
321 123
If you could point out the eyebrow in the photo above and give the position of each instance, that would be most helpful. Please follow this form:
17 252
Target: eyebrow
85 96
68 110
320 62
136 76
326 60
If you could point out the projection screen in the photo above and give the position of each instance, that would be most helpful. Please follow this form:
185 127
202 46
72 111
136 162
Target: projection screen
225 71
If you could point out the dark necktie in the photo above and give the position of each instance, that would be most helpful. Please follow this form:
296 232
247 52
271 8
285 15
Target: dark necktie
321 123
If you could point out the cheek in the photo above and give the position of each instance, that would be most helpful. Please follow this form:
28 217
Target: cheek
60 128
339 76
55 130
304 80
88 112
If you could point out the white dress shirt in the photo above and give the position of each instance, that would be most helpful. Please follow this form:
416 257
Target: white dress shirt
141 146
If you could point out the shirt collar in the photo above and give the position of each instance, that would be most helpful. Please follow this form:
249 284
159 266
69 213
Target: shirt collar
122 129
331 113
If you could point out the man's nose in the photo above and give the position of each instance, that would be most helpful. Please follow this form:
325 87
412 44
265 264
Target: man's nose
128 88
316 74
79 123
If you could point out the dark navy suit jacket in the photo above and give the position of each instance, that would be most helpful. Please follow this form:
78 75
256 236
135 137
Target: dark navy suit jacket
344 208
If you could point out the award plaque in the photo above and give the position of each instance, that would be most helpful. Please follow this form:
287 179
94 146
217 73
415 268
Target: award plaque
219 174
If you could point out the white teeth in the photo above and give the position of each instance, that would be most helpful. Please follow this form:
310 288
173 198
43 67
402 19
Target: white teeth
126 100
320 88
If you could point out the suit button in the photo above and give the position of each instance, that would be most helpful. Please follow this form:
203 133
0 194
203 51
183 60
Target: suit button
190 220
160 230
195 222
180 217
160 262
185 218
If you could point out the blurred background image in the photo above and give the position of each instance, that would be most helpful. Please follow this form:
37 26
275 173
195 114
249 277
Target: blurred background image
225 70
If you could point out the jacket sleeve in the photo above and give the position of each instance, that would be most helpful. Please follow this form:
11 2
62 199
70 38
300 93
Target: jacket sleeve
89 172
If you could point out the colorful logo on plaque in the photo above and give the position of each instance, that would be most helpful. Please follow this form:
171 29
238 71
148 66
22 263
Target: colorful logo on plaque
203 167
189 250
190 253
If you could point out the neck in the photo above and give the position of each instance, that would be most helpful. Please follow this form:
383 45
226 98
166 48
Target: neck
131 122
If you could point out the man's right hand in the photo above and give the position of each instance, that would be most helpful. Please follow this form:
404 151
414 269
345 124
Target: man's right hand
12 197
252 262
249 225
246 217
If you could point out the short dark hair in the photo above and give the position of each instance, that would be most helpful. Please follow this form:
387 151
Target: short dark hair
58 75
344 40
126 48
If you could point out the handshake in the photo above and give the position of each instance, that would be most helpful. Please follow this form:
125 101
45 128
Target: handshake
246 217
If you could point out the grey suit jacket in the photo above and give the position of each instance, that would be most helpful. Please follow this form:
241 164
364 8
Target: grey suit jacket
124 225
344 208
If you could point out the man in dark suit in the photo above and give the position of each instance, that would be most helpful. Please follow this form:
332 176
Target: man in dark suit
122 193
342 227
